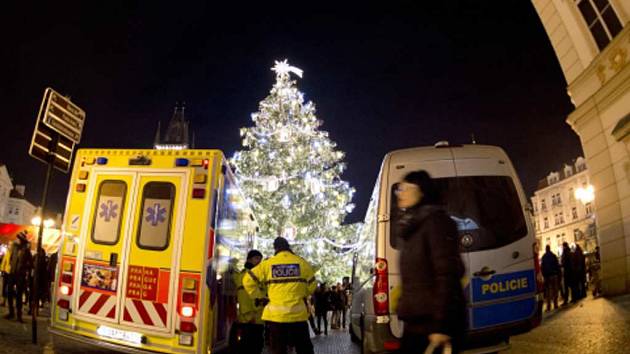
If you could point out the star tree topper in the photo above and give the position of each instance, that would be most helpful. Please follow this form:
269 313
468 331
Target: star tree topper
283 68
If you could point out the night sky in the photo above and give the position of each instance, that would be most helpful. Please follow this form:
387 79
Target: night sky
381 78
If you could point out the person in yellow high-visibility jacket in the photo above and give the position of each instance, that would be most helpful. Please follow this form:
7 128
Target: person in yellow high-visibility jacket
289 280
250 326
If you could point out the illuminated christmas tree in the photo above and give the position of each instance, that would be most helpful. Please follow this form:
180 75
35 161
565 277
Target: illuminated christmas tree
290 170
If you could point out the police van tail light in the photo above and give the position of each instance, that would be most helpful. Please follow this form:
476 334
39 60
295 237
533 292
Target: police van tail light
380 291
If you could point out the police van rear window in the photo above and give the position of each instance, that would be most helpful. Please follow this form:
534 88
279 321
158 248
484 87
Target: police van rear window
485 207
108 212
157 209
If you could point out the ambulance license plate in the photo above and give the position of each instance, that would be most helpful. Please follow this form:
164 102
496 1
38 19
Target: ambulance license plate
125 336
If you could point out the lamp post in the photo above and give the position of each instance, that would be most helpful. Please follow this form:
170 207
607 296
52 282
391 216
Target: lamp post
586 195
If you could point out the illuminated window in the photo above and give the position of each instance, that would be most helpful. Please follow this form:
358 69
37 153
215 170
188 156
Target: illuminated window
601 20
546 221
108 212
589 208
157 209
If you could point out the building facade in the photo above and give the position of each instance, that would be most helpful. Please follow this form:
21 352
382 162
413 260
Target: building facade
19 210
6 186
561 216
591 39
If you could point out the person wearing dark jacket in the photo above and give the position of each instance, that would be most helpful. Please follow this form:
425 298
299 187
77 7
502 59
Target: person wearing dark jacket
321 297
432 303
567 273
21 264
579 271
551 273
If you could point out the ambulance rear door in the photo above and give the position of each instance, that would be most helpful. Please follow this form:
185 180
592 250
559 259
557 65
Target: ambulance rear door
101 252
153 251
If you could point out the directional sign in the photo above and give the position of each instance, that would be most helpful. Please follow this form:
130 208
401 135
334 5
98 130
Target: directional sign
54 143
63 116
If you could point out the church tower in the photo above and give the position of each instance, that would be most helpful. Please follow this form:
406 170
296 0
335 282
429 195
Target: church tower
176 135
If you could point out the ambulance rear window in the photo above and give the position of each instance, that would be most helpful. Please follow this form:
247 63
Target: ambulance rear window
157 209
108 212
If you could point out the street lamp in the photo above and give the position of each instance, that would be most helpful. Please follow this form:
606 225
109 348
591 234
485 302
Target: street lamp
36 221
585 194
48 223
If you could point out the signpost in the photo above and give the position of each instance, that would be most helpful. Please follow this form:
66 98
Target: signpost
57 130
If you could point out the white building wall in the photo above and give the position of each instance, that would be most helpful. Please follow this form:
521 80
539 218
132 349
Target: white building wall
566 189
599 87
5 189
19 211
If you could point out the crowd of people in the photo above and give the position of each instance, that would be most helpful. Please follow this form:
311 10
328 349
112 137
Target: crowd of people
567 276
17 264
334 301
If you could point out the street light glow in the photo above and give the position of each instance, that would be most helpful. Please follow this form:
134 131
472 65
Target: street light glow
36 220
585 195
48 223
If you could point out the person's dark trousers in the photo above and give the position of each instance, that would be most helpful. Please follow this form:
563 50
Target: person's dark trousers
252 338
414 343
567 286
323 316
16 289
344 311
295 333
311 322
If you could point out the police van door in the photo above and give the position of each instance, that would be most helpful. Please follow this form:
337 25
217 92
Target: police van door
153 249
440 167
107 209
494 236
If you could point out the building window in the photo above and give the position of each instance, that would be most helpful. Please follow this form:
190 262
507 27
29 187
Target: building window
577 234
543 205
558 241
574 213
556 221
546 222
589 208
561 218
571 194
601 20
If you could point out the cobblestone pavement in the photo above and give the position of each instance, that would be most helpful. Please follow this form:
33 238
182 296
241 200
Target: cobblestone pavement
591 326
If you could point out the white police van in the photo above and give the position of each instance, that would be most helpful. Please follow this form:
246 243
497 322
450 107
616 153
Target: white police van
483 195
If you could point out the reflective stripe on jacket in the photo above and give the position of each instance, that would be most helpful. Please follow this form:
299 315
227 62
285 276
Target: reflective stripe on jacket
5 266
248 312
289 280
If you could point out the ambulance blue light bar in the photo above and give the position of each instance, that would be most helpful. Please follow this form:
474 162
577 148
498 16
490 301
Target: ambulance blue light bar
181 162
101 160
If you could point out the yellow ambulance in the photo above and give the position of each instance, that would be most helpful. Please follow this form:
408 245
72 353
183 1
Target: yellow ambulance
151 240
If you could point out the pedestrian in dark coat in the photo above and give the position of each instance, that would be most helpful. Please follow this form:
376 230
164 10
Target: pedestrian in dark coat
432 303
579 269
551 272
321 297
567 273
21 263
